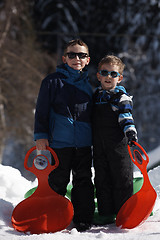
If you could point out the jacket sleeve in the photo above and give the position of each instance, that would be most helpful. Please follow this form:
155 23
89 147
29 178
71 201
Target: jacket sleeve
41 125
125 118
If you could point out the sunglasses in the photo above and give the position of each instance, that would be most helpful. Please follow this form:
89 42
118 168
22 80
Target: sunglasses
105 73
73 55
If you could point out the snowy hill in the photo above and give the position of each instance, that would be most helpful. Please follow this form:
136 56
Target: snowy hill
13 187
154 157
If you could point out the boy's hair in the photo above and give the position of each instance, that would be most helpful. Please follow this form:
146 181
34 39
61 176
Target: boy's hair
112 60
74 42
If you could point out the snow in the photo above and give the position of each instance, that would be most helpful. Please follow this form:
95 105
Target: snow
13 186
154 157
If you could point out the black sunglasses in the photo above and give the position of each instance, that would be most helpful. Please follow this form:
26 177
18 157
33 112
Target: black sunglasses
81 55
105 73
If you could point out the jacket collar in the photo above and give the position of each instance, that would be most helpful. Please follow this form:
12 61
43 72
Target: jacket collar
77 78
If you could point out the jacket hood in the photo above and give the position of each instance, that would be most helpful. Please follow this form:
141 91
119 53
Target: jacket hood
120 88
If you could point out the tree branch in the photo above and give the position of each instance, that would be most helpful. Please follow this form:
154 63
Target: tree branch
24 63
4 34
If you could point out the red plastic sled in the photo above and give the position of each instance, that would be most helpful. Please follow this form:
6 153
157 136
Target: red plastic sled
138 207
44 211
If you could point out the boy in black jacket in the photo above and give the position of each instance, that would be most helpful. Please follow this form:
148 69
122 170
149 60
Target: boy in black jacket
113 129
63 122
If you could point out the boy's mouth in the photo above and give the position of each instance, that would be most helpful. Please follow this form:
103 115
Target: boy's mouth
77 64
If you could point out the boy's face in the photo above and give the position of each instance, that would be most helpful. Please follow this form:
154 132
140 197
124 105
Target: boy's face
76 62
108 82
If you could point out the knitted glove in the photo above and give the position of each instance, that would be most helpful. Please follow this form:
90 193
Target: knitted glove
132 136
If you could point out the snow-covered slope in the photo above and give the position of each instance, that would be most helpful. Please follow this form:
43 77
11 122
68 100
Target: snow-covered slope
13 187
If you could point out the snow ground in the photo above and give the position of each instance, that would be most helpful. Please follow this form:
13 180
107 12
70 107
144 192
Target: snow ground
13 187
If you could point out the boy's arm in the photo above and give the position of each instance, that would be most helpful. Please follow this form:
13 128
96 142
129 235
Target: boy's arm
126 120
41 126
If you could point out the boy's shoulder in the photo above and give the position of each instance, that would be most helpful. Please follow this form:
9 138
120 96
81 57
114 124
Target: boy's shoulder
52 79
53 76
121 92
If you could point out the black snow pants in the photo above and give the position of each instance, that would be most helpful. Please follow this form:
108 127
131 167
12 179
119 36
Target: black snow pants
79 160
113 177
112 163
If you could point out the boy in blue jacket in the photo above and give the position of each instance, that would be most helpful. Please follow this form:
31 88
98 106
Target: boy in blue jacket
113 129
63 122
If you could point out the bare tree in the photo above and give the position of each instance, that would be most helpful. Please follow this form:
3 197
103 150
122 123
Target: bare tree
22 67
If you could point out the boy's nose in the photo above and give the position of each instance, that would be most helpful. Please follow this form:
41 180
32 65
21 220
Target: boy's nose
109 76
77 57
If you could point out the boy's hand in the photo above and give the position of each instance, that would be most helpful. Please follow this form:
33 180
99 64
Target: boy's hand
41 144
132 136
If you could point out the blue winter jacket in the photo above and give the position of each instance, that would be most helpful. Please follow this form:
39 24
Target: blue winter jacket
63 110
